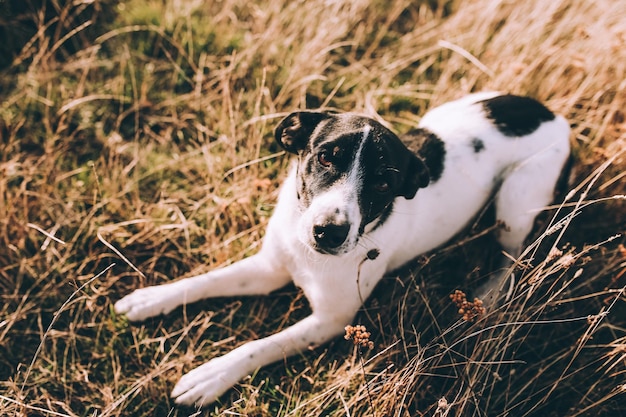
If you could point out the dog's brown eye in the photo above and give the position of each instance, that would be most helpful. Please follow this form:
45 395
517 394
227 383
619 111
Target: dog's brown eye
382 186
323 159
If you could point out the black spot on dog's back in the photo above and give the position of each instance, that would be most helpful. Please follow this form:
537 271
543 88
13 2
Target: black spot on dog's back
429 147
478 145
516 115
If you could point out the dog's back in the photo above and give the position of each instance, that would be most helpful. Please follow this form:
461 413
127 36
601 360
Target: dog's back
474 147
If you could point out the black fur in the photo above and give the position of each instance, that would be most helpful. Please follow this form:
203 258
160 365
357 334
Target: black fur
389 170
478 145
293 132
430 148
515 115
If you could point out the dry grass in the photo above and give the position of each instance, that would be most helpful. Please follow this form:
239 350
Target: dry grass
138 149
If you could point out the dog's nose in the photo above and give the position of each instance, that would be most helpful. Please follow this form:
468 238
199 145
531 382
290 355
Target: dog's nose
331 236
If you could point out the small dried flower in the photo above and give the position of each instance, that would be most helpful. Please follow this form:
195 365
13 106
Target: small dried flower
566 260
442 407
554 253
469 310
359 336
442 404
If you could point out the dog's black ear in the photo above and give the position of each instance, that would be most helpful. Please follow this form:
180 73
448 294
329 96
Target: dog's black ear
294 131
416 177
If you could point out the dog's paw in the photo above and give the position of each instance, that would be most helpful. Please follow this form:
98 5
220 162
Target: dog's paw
147 302
207 382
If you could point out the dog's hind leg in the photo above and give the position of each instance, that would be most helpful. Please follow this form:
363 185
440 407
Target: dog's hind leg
525 191
258 274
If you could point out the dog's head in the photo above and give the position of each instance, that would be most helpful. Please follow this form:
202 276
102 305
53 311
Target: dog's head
350 170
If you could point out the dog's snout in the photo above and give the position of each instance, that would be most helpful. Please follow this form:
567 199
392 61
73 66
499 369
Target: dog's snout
331 236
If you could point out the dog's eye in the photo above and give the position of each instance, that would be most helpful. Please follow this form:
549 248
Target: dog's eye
324 159
382 186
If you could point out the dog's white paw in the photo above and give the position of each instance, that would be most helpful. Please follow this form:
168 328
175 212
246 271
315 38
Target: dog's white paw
147 302
207 382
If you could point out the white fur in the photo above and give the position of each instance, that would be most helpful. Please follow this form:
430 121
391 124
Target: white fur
528 167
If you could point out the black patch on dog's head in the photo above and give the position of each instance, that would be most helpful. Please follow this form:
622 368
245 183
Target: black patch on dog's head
515 115
327 146
430 148
390 170
294 131
478 145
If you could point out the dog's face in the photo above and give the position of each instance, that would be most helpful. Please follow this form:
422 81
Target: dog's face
350 170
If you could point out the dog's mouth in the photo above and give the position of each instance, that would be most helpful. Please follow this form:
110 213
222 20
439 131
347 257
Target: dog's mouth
325 251
332 251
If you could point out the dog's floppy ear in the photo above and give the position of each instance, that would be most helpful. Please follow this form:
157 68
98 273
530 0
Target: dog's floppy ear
416 177
294 131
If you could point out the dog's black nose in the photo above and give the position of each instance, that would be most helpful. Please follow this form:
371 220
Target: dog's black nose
331 236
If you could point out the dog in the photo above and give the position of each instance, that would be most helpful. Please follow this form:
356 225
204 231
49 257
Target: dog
360 202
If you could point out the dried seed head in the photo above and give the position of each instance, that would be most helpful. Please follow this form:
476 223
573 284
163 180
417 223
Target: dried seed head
359 336
442 404
469 310
442 407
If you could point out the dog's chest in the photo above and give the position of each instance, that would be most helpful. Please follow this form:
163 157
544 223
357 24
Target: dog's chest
336 283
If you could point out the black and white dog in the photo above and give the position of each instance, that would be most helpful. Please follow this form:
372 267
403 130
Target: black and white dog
351 196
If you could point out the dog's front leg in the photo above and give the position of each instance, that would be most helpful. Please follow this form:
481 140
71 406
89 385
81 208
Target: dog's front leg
206 383
258 274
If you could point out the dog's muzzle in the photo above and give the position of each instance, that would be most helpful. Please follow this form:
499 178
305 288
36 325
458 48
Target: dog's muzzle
329 237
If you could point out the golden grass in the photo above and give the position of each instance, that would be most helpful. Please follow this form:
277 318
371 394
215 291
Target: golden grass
139 149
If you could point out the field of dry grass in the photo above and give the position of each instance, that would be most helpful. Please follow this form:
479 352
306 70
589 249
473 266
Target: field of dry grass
136 147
